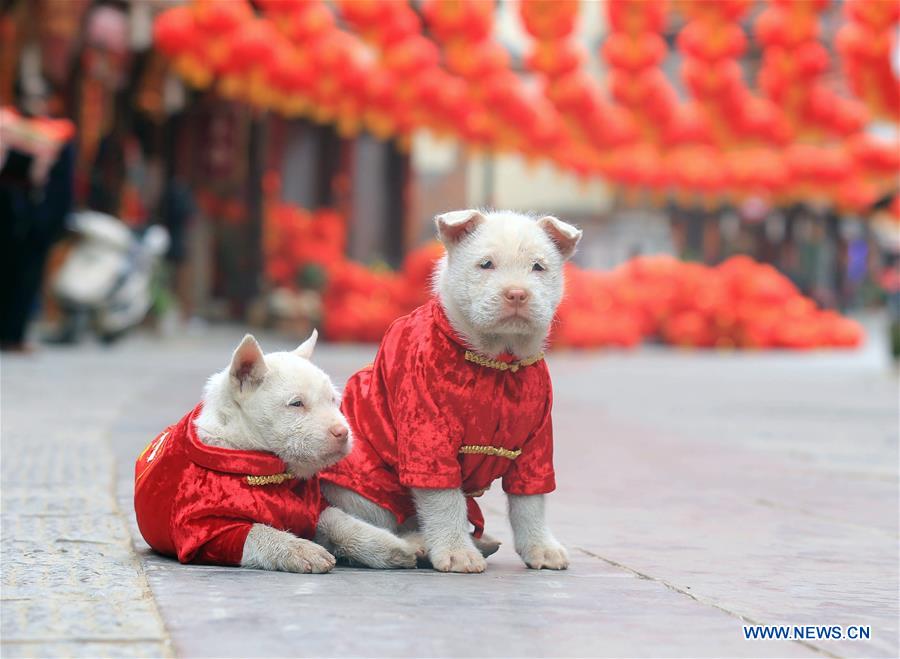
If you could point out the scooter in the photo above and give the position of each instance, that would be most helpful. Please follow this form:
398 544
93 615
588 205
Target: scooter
106 280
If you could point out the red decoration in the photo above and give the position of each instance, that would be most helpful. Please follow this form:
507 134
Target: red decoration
866 42
416 402
380 70
193 502
739 304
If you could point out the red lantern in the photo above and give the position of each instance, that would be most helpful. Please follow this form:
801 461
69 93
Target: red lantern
252 45
549 20
633 53
712 42
174 30
555 58
634 16
468 20
411 56
777 27
309 22
688 126
475 61
707 81
217 18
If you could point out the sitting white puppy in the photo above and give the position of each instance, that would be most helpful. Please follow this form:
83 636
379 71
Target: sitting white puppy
459 395
234 482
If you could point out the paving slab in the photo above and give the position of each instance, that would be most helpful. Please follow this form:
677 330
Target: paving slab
697 493
72 584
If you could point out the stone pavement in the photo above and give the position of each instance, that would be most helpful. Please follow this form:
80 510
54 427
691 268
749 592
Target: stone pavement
697 493
72 584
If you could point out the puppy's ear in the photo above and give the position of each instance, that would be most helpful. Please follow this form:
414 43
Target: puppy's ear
563 235
248 365
306 348
456 225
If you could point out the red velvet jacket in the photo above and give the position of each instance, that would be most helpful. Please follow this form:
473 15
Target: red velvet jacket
430 413
198 502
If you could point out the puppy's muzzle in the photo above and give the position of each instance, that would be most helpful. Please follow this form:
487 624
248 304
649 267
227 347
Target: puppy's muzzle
339 433
516 297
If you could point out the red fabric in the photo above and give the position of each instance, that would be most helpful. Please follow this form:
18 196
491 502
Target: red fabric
193 501
421 400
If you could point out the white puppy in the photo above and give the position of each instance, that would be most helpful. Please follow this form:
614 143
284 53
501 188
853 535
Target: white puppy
283 404
499 285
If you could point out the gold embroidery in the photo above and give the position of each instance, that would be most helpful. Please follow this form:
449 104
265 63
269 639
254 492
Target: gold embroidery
274 479
491 450
481 360
477 493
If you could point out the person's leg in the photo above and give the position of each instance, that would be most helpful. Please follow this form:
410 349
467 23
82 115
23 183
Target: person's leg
12 255
25 277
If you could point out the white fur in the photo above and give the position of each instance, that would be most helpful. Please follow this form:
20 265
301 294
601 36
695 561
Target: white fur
445 527
360 507
473 297
270 549
363 543
475 300
363 509
248 406
533 540
253 405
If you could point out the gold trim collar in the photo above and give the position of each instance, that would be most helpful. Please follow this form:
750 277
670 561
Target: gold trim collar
481 360
274 479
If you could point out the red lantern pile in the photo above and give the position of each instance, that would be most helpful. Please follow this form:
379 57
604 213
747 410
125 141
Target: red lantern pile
295 238
360 303
397 90
793 62
634 51
551 23
377 70
739 304
712 42
177 34
590 126
510 117
866 42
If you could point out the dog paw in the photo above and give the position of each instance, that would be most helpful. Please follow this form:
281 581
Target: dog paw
546 556
458 559
382 550
417 541
308 557
486 544
401 555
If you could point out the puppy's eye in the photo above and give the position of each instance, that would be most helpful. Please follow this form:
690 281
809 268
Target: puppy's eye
296 403
537 267
487 264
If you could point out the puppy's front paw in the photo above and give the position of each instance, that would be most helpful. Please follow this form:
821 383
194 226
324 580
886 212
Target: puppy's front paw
270 549
458 559
417 540
401 554
548 555
305 556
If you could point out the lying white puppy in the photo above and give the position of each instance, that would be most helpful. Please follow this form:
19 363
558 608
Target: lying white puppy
459 396
234 482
